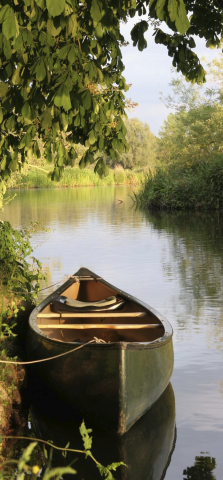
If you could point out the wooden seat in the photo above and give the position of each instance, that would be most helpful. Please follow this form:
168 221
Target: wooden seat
91 315
101 326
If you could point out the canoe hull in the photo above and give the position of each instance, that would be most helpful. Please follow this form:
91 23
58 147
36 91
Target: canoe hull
111 384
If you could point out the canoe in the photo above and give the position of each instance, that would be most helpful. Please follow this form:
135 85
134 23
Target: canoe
114 382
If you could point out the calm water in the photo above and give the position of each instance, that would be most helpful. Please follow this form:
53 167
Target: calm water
174 262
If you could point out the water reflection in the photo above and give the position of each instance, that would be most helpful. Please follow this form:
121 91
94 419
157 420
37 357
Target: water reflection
146 448
201 470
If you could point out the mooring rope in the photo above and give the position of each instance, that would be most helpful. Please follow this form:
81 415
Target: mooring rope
40 290
96 340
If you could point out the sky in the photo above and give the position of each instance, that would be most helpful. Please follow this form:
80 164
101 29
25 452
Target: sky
149 72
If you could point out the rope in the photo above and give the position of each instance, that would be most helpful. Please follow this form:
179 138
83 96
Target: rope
97 340
40 290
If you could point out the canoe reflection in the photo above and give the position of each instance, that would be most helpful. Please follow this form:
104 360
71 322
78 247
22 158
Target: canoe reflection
146 448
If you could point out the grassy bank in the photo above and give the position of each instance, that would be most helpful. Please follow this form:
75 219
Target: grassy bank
74 177
182 188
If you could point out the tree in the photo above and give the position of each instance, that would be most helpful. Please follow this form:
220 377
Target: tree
61 72
193 133
142 146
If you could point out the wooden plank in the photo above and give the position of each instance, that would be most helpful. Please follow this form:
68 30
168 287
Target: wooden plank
91 315
101 326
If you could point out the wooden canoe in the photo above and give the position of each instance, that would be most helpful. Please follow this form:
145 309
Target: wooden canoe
112 383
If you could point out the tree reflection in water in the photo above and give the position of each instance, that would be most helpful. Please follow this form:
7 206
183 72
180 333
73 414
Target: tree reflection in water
201 470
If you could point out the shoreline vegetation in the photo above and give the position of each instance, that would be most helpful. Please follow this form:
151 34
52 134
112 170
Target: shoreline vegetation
199 187
75 177
20 281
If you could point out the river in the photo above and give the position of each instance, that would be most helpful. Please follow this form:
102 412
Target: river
172 261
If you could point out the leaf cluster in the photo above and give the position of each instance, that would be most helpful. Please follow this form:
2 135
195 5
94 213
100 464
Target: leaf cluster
60 71
105 472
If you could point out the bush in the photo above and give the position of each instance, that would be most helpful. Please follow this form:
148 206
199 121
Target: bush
199 187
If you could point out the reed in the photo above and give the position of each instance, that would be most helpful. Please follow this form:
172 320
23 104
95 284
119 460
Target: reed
75 177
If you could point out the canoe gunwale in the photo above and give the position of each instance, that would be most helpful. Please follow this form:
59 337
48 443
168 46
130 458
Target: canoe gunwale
167 337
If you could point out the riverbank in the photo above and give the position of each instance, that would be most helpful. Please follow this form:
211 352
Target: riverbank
74 177
199 187
20 276
12 376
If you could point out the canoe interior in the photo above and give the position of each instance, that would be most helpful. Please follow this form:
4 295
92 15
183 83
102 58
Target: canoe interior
132 323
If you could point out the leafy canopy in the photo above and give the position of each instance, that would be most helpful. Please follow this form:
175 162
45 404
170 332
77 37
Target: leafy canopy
61 72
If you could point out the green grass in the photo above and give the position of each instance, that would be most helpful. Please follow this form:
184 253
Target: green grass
74 177
181 188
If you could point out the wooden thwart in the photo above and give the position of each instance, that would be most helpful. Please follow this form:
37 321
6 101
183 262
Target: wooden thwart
91 315
101 326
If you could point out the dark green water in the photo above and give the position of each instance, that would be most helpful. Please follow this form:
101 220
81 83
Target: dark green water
174 262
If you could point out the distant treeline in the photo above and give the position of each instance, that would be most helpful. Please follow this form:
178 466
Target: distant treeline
130 169
190 149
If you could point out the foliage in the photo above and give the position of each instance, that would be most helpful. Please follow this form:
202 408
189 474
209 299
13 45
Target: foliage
198 187
190 148
194 132
49 472
142 146
87 440
61 72
20 274
24 470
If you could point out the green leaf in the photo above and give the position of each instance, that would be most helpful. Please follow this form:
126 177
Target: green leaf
10 123
3 163
26 110
72 55
3 11
16 76
40 3
160 9
3 89
101 143
92 138
1 115
63 52
62 98
95 11
58 472
72 25
101 168
39 68
9 26
14 165
7 49
172 9
86 99
55 7
182 23
46 119
87 440
52 29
